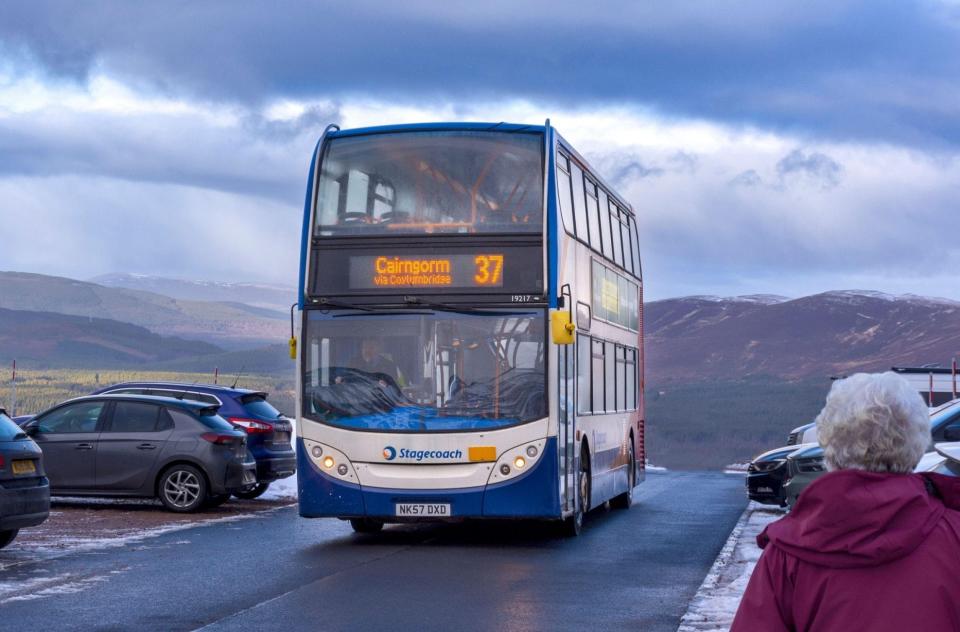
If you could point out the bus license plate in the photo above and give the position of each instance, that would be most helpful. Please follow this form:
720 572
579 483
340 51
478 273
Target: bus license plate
428 510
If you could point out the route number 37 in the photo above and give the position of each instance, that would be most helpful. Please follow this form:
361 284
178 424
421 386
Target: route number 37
489 269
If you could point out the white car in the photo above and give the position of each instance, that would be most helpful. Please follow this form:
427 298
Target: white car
945 459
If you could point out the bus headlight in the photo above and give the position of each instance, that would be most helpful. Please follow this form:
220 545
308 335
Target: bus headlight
330 461
516 461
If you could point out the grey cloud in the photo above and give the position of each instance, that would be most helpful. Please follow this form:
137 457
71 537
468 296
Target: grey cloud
880 69
748 178
815 166
257 157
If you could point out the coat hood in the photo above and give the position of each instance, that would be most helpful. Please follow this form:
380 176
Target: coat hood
855 519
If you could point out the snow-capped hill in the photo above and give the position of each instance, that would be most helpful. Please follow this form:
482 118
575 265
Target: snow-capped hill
861 295
832 333
264 295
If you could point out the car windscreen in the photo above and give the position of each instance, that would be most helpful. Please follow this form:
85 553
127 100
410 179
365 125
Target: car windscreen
258 407
9 430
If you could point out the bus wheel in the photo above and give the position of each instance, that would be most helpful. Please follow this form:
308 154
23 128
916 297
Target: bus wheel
366 525
574 524
624 500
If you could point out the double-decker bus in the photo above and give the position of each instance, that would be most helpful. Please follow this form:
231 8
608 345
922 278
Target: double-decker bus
469 329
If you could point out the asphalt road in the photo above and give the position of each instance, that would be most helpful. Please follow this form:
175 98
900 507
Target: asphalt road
634 569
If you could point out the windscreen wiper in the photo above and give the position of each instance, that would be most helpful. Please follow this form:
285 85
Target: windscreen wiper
460 309
329 302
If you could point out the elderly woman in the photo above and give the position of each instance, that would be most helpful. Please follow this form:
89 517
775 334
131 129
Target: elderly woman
868 546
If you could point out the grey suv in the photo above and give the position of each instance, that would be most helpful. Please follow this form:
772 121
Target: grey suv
180 451
24 492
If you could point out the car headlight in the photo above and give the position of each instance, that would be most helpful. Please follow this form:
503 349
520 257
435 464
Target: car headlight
766 466
811 465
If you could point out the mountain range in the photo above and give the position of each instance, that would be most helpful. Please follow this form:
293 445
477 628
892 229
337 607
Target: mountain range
833 333
231 324
269 296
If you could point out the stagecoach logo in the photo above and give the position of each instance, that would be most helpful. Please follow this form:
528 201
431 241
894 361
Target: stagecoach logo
390 453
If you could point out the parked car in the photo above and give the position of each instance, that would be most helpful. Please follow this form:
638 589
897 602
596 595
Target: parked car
24 489
806 433
180 451
944 459
766 475
804 466
807 466
268 431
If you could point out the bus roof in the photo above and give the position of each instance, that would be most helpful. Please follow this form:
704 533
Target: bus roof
437 127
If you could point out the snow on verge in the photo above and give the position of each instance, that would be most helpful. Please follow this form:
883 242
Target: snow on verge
713 607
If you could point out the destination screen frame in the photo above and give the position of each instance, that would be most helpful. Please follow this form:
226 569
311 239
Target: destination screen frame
511 269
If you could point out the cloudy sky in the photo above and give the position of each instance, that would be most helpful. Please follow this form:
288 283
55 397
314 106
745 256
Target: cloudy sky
771 147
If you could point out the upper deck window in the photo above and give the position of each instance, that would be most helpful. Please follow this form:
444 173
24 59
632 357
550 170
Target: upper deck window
431 182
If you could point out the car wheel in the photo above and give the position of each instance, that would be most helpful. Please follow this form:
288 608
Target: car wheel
215 500
366 525
574 524
253 491
624 500
6 537
183 489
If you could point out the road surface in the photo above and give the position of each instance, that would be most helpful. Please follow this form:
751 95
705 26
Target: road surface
629 570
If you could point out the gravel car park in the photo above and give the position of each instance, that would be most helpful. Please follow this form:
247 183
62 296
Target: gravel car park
180 451
24 490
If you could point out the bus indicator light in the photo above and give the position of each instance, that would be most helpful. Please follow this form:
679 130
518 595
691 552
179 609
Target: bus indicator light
482 453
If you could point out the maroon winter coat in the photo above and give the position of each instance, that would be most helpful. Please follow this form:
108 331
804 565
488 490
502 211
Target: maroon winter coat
860 551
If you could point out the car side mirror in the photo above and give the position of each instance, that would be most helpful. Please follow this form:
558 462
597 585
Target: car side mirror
31 430
952 433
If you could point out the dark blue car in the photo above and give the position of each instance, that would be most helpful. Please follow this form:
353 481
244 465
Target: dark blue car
268 431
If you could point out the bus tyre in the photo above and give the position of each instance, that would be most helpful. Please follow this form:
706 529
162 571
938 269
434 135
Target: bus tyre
624 500
6 537
366 525
574 524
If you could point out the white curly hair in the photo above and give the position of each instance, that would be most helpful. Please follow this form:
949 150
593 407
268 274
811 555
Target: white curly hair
875 422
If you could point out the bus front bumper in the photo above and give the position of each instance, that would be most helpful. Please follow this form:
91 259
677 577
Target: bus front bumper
533 494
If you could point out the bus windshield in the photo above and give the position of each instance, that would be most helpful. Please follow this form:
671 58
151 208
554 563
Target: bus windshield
425 371
431 182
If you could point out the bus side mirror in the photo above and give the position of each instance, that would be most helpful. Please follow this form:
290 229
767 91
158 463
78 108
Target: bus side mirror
561 327
293 348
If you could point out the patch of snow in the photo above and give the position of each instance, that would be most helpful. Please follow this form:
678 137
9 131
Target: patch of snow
284 489
653 468
762 299
714 606
38 588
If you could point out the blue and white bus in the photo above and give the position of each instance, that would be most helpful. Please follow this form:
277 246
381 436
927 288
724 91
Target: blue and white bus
470 329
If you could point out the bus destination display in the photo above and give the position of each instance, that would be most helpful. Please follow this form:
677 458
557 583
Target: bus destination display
484 270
